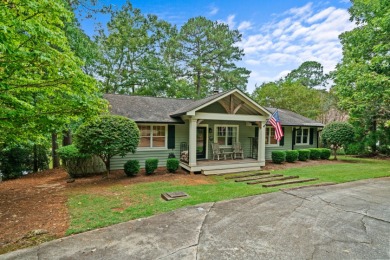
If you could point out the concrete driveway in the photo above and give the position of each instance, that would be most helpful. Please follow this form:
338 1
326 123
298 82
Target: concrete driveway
345 221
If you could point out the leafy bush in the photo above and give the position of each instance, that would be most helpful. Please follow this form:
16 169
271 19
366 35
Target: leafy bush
171 155
79 164
151 165
278 156
172 164
355 148
131 167
292 156
19 159
337 134
325 153
315 153
303 154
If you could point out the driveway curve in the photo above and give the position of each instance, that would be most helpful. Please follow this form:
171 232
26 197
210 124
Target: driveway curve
344 221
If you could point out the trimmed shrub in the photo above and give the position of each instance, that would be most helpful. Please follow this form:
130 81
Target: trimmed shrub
131 167
315 153
325 153
151 165
303 154
292 156
278 156
79 164
172 164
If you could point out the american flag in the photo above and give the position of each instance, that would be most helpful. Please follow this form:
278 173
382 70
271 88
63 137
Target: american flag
275 122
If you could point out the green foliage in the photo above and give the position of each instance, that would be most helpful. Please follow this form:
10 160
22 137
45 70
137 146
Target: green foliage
355 148
108 136
292 156
325 153
309 74
208 52
22 158
278 156
172 164
42 85
131 167
289 95
363 77
315 153
151 165
337 134
303 154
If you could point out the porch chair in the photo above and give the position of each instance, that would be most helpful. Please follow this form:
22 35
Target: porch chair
216 151
238 151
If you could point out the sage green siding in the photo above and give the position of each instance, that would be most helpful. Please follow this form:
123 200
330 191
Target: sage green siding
181 135
288 143
213 108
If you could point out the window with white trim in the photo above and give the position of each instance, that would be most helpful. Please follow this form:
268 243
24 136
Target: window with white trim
226 135
302 135
153 136
270 136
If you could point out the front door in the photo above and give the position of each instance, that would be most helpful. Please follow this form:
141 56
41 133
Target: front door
201 138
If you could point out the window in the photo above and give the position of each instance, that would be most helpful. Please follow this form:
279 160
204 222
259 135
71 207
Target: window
226 135
302 136
270 136
152 136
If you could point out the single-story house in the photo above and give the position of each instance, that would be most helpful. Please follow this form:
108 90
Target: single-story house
186 126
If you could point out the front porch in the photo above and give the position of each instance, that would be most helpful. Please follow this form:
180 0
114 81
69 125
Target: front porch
210 167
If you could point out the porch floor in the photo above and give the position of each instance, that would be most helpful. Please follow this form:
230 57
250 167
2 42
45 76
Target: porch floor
224 166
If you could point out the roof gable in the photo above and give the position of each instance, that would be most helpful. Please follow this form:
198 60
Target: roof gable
232 101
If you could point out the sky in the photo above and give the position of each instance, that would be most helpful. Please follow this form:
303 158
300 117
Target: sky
277 35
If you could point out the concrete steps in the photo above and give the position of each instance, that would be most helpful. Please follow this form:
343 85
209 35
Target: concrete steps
227 171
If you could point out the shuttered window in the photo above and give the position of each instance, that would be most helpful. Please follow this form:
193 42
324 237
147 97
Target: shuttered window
153 136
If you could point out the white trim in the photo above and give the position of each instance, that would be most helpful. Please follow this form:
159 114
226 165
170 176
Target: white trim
225 125
253 104
229 117
207 139
308 136
151 136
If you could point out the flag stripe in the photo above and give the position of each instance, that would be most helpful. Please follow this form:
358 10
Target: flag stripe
275 122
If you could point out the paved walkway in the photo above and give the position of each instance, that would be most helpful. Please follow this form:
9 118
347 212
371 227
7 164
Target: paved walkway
345 221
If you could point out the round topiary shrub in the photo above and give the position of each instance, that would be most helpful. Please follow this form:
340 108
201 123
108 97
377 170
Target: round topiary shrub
278 156
325 153
151 165
172 164
315 153
292 156
131 167
303 154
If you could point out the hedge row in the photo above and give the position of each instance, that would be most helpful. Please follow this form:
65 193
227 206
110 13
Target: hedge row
132 167
301 155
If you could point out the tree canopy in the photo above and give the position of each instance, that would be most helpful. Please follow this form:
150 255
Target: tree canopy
363 77
42 84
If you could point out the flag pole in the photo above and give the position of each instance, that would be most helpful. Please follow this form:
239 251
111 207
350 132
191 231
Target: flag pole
270 117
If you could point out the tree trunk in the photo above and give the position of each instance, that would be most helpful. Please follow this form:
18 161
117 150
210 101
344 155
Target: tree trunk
374 137
198 84
335 153
67 138
54 147
35 152
108 162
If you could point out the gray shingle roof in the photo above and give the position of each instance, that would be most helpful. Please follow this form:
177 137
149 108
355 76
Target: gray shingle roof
146 109
289 118
168 110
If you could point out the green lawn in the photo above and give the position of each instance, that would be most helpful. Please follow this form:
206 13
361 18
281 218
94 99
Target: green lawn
121 203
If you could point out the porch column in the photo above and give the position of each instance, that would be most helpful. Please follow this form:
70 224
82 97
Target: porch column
192 142
261 144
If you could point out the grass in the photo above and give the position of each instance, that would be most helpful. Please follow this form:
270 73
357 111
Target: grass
122 203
